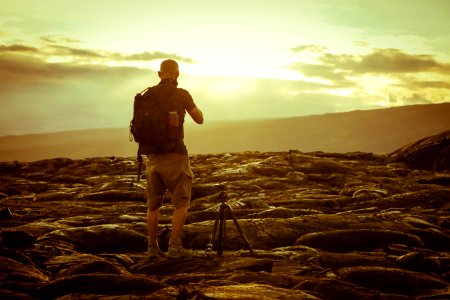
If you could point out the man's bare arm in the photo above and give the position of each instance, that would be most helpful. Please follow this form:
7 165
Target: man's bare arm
196 115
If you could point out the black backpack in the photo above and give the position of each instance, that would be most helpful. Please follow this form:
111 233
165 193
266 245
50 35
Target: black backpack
150 126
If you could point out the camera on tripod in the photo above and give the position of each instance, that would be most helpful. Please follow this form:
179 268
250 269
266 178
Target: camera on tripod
220 224
223 195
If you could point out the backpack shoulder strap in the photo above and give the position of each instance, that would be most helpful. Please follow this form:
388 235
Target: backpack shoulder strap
145 90
169 98
150 90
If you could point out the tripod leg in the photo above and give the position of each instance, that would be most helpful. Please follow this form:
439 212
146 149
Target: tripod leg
221 230
247 243
224 227
224 224
212 239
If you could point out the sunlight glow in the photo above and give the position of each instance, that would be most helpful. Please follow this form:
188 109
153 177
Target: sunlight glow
373 84
227 86
340 92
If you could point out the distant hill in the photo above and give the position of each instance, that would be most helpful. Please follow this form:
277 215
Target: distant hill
378 131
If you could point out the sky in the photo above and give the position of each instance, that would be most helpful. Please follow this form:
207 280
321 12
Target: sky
69 65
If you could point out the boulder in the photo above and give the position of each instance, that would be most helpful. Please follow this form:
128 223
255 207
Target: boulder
356 239
247 291
337 261
417 261
201 264
100 284
10 167
432 153
335 289
50 165
92 267
10 295
5 212
20 278
98 239
391 279
113 195
14 238
53 196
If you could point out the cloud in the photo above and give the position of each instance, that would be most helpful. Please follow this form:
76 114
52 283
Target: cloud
147 56
309 48
59 39
79 90
329 73
18 48
18 70
386 61
390 62
115 56
53 50
429 84
57 85
64 96
70 51
23 64
388 76
414 98
338 67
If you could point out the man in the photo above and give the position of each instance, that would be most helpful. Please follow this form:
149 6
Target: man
171 170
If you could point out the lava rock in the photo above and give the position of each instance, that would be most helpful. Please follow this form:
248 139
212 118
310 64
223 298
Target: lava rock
432 153
391 279
356 239
100 284
98 239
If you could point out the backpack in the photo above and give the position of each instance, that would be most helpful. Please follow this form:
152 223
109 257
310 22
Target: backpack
151 127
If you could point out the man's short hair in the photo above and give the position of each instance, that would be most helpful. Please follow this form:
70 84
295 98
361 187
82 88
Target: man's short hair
168 66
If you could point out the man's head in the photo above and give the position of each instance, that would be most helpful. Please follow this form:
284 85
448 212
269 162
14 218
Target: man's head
168 69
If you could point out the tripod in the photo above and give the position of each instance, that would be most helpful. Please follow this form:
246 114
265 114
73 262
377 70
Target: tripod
220 225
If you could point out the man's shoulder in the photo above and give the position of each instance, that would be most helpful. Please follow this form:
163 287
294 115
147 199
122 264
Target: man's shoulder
168 88
183 95
182 91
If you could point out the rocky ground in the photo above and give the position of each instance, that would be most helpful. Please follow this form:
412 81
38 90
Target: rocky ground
322 226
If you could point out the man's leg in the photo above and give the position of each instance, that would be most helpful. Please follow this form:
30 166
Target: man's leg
152 224
178 220
179 183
